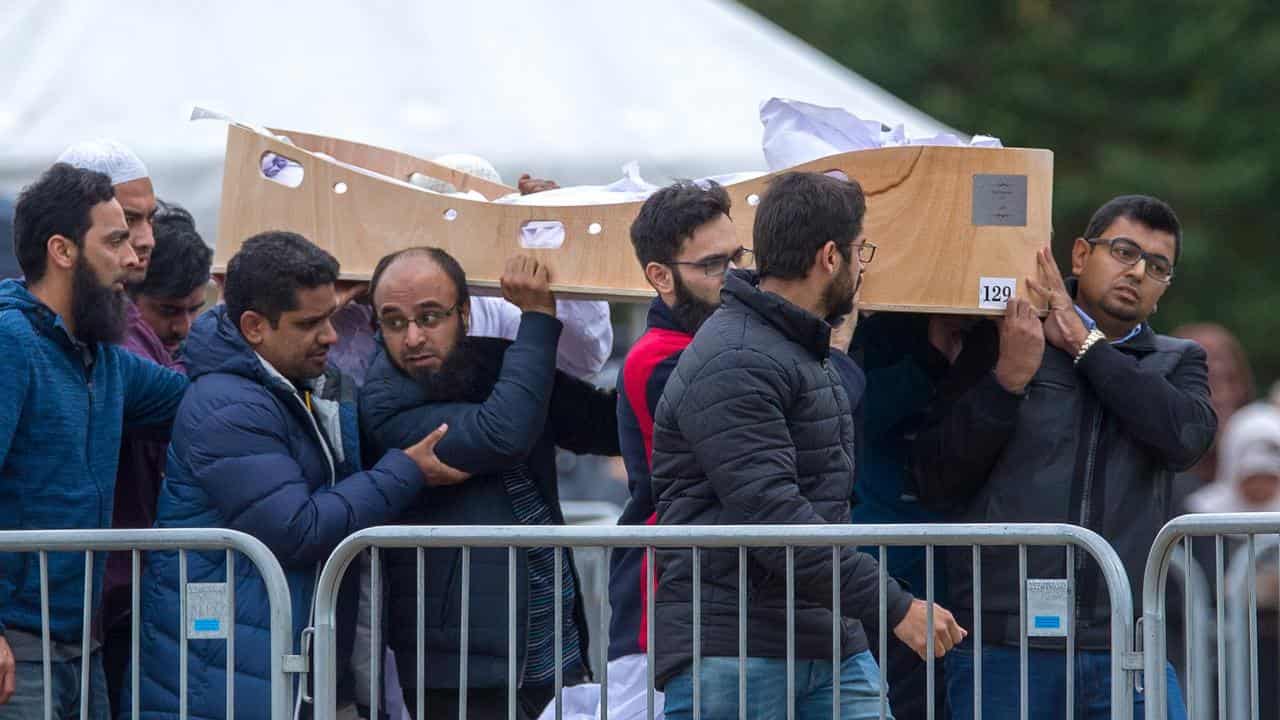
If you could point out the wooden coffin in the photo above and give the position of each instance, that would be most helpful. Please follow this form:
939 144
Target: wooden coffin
957 227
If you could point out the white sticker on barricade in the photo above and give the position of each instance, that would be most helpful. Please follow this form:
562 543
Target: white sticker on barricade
207 611
1047 608
994 293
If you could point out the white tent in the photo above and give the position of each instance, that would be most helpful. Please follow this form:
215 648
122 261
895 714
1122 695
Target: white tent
569 89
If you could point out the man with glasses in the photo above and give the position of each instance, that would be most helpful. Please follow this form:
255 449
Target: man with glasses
507 409
755 427
1094 438
685 243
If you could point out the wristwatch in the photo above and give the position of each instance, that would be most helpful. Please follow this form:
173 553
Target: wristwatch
1089 341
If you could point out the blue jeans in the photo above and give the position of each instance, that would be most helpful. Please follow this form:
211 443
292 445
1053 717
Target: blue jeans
767 689
28 695
1046 684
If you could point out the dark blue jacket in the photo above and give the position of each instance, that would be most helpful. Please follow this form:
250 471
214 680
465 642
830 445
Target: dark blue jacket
62 407
247 455
515 408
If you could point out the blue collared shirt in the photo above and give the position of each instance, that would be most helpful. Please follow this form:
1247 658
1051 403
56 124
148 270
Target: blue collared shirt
1090 324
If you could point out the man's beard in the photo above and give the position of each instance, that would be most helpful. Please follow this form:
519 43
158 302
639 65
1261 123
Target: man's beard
690 311
97 311
456 377
837 296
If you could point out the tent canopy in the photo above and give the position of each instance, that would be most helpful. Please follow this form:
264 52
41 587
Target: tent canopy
569 90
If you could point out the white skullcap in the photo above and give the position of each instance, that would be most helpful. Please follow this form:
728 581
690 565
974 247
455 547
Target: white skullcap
463 162
108 157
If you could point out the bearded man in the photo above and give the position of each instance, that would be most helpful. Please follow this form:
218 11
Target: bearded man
755 426
68 391
508 409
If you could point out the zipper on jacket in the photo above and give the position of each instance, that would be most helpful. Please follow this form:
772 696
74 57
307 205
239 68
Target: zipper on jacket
333 479
324 444
88 446
1086 494
1090 462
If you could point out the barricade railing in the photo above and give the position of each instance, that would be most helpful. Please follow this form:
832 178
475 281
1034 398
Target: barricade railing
1230 610
1197 615
1124 662
91 542
1242 630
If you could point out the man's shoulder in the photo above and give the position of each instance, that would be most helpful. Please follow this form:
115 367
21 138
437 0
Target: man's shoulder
654 347
227 393
736 339
1176 345
723 359
14 323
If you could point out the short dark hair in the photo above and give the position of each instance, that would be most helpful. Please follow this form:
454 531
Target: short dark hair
1152 212
672 214
801 212
59 202
269 270
441 258
180 261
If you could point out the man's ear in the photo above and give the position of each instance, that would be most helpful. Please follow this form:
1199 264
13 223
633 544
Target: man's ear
660 277
465 313
1079 255
254 326
828 259
62 251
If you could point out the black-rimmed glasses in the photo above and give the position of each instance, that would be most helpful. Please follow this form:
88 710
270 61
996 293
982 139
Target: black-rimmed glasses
866 251
1128 252
425 320
717 265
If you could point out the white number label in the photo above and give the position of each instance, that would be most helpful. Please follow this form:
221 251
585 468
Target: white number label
996 292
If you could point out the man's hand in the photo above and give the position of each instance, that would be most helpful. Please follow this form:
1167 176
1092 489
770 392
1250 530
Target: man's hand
1063 328
1021 346
526 283
8 672
529 185
424 454
914 629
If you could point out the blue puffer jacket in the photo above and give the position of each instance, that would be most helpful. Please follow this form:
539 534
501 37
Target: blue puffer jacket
247 455
60 423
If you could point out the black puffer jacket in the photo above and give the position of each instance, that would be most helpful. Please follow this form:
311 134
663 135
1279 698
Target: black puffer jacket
515 408
755 427
1095 444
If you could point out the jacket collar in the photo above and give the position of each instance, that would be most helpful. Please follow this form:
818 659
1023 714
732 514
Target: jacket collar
660 317
742 288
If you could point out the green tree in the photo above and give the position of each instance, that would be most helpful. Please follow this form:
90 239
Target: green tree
1176 99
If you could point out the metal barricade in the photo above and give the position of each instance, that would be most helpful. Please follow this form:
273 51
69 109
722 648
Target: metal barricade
1242 632
1178 532
1196 677
136 542
1073 538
